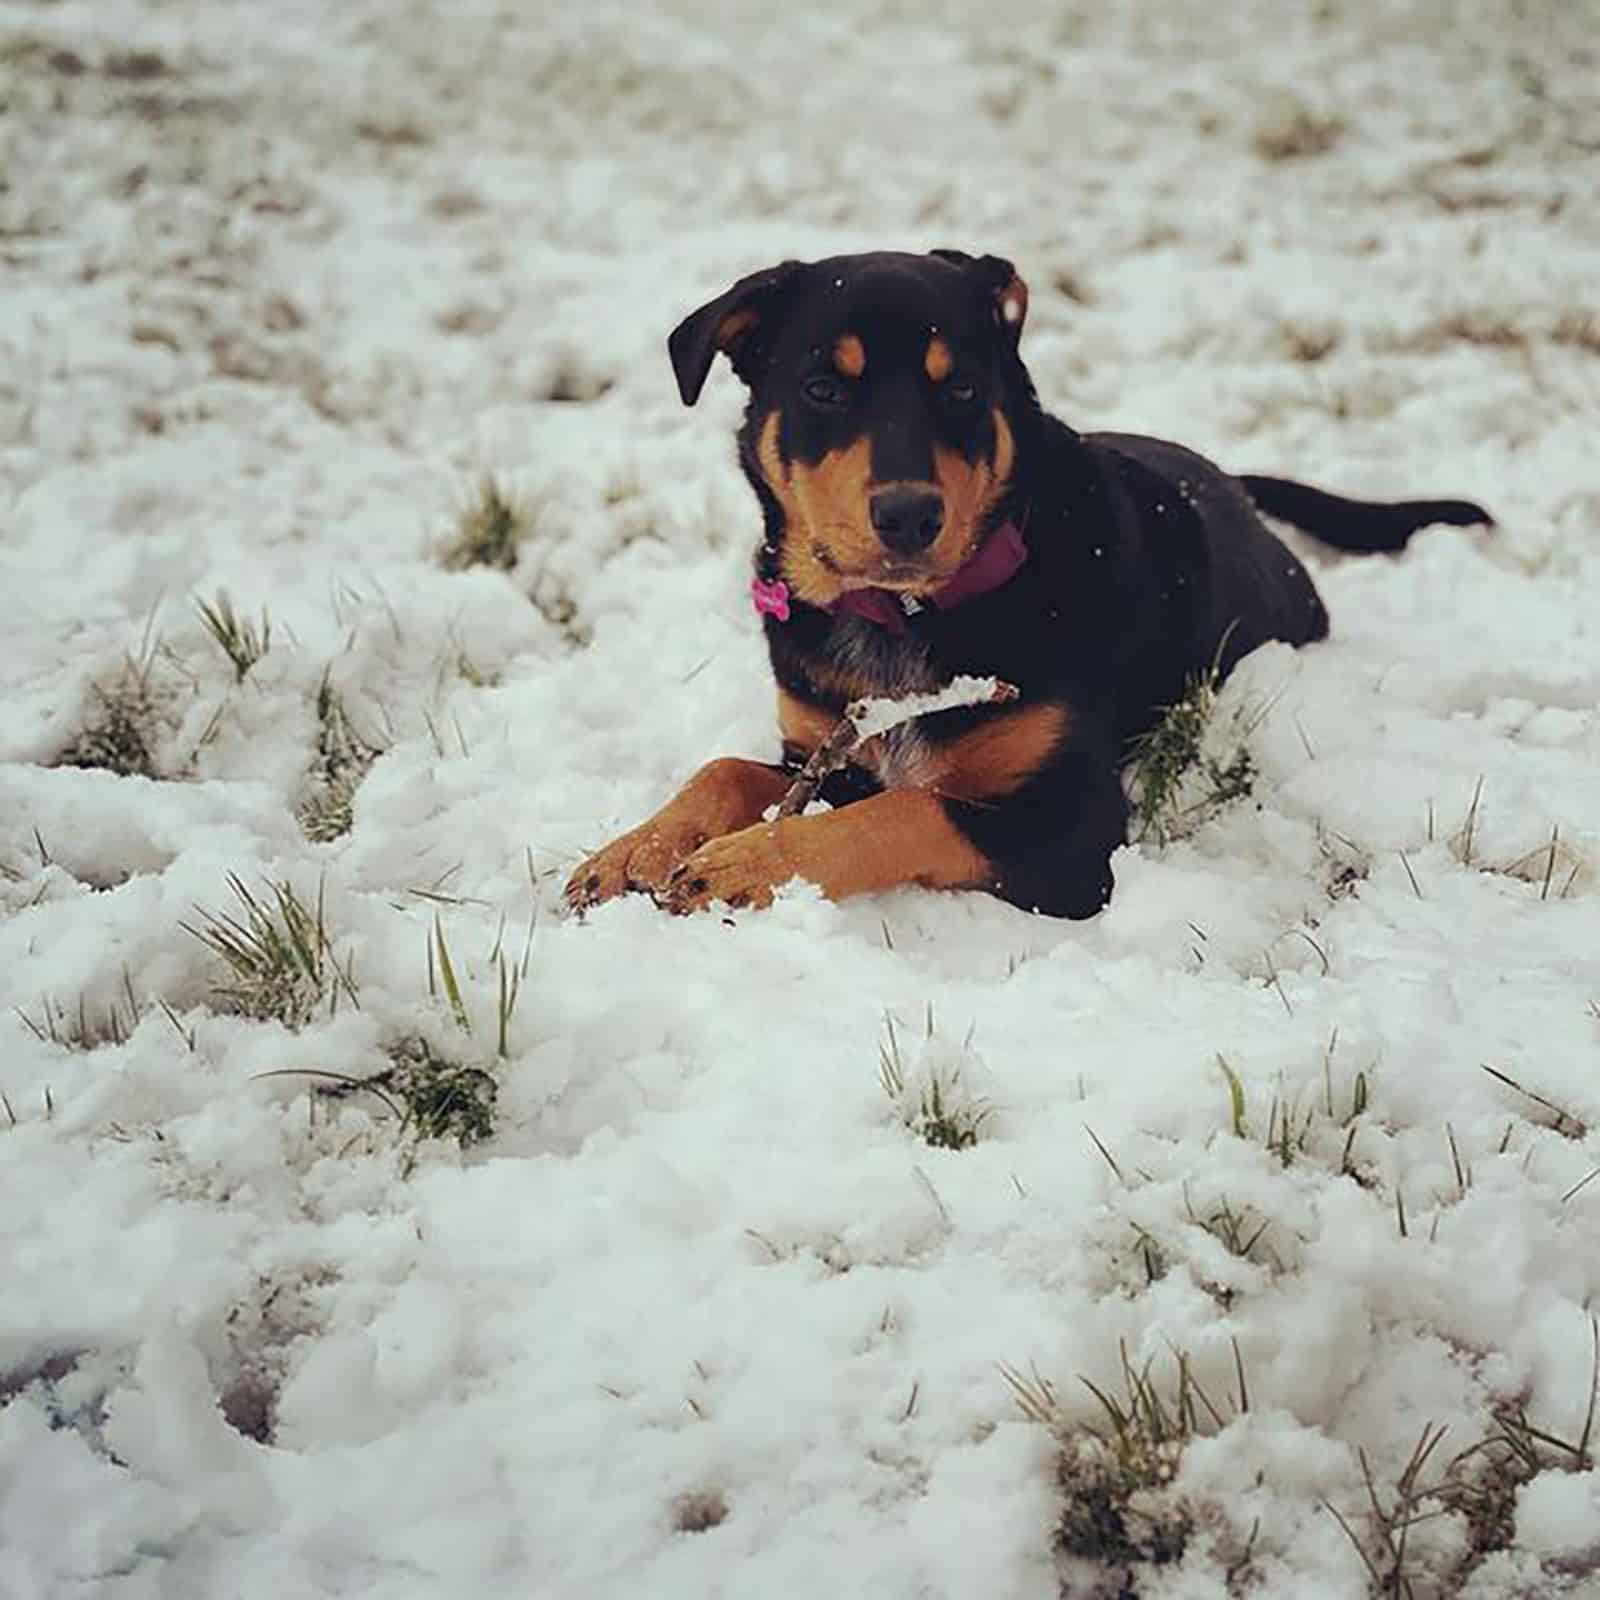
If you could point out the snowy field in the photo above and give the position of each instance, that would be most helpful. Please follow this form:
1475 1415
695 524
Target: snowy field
709 1313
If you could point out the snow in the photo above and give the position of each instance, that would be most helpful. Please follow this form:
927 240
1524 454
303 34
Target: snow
705 1316
877 714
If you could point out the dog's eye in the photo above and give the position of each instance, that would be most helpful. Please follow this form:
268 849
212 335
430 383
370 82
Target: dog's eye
823 391
959 392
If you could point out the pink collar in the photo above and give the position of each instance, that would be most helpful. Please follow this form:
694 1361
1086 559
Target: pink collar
1003 553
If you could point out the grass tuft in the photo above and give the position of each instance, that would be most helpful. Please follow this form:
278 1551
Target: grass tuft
429 1095
1556 866
933 1099
443 1099
343 757
1307 340
279 955
699 1510
510 975
239 639
118 735
1290 130
1479 1484
1116 1477
489 528
85 1027
1390 1522
438 1097
1292 1122
1238 1232
1579 329
1190 765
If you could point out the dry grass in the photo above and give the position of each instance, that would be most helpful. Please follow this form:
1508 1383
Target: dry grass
86 1026
238 638
699 1510
1556 866
118 734
1307 341
1480 1484
278 954
1290 130
489 529
1578 330
1389 1521
125 717
1483 327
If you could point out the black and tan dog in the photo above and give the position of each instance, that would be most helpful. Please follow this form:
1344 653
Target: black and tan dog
925 518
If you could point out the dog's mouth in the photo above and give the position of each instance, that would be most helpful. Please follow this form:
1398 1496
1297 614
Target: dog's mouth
900 576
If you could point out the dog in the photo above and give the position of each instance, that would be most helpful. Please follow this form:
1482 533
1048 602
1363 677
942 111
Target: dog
924 517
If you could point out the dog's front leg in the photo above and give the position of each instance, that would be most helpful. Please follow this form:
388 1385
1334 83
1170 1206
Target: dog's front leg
723 796
899 836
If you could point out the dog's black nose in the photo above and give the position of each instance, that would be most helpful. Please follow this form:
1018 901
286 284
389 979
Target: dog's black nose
907 518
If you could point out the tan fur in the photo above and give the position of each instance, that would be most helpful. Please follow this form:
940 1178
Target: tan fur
996 757
832 495
938 363
849 356
803 725
970 490
825 510
734 327
901 836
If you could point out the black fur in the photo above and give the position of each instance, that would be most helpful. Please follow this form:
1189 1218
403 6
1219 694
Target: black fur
1146 562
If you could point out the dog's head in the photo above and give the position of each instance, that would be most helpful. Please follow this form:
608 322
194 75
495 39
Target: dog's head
887 405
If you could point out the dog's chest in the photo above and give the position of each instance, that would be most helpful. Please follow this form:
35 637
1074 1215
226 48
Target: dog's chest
869 661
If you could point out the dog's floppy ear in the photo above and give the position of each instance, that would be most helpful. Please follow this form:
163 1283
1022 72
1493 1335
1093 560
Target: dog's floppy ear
725 324
999 277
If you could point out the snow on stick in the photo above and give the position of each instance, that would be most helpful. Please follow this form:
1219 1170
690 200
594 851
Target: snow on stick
868 718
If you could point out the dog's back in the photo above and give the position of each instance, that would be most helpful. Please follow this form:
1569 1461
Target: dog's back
1251 587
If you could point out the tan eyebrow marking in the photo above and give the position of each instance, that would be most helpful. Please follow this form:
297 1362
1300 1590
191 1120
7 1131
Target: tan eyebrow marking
938 362
849 356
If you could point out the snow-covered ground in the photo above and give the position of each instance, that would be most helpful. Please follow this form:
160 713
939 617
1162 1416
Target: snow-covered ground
280 284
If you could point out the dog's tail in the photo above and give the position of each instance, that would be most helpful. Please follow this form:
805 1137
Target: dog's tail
1364 525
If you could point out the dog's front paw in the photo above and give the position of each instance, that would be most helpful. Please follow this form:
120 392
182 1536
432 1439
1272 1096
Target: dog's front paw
740 869
722 796
640 861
